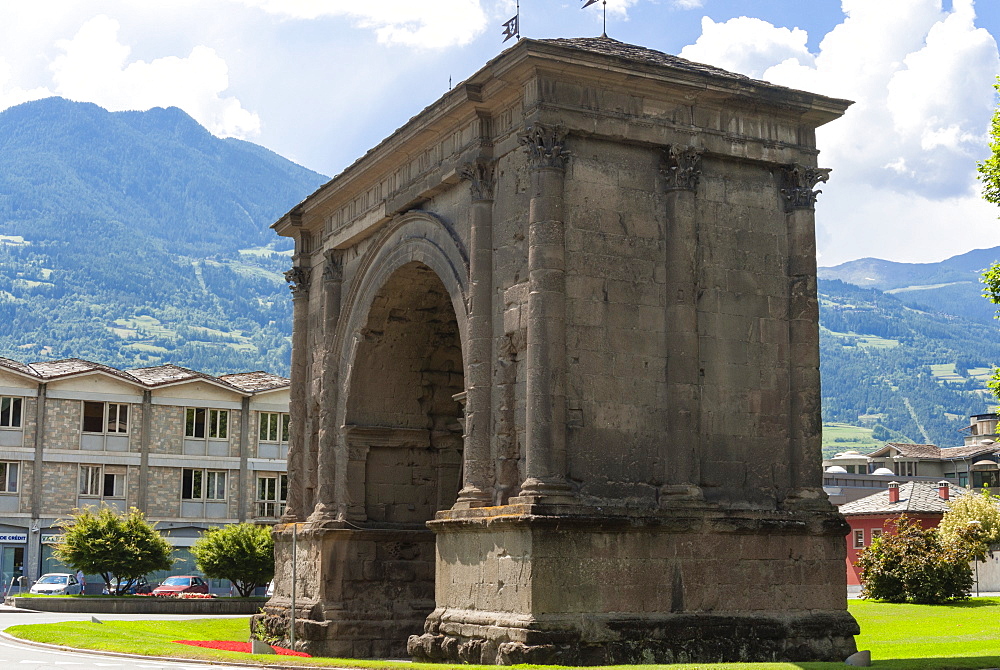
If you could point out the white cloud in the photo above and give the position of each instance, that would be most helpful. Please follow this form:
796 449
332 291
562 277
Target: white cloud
688 4
747 45
620 7
13 95
437 24
904 155
94 67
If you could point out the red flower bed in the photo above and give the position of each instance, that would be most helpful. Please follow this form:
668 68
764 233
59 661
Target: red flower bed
236 646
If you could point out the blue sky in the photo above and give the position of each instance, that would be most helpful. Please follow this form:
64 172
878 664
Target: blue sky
321 81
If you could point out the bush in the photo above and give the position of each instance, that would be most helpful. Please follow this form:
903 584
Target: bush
243 553
974 519
118 547
913 564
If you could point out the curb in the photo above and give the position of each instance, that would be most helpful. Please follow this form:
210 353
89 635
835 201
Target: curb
4 635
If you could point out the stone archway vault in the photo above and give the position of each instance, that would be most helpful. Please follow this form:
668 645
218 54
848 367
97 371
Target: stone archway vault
388 445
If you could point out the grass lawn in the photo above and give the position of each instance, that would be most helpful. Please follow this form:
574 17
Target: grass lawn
839 437
914 637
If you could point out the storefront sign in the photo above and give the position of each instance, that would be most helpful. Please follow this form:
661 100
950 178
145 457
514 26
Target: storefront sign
18 538
51 539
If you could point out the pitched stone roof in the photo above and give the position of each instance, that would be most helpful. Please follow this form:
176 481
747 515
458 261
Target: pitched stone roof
933 452
969 451
255 382
635 53
168 374
72 366
910 450
152 377
914 497
16 366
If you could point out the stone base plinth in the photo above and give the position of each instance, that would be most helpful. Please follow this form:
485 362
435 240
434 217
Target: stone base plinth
522 584
360 592
612 640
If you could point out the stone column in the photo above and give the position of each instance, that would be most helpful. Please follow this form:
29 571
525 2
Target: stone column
326 470
246 486
298 280
476 484
805 478
39 459
545 457
144 444
681 169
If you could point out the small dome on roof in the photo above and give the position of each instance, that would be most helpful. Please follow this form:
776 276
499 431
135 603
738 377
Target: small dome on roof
837 470
884 472
848 454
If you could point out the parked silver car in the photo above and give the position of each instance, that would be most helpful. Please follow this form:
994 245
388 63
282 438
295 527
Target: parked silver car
56 584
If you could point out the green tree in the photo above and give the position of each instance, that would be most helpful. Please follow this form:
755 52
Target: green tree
120 547
913 564
973 518
243 553
989 175
989 169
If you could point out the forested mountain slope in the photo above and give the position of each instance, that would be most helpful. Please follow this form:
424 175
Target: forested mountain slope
137 238
915 374
951 286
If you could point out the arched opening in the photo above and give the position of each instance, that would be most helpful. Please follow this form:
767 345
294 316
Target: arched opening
404 437
403 410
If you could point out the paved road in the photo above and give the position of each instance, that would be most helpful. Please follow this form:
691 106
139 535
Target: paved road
18 656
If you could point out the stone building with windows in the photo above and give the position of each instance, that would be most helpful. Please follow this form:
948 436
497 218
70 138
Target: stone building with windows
189 449
851 475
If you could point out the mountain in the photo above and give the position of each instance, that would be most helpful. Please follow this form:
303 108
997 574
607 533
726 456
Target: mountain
907 348
951 286
139 238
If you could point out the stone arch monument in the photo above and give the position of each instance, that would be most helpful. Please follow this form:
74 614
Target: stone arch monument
555 375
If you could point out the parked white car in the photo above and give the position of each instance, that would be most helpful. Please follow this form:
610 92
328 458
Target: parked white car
56 584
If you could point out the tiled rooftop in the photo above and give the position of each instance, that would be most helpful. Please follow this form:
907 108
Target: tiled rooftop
968 452
72 366
169 374
16 366
933 452
243 382
635 53
914 497
255 382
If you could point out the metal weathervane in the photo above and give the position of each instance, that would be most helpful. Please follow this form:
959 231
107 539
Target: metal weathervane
512 28
588 3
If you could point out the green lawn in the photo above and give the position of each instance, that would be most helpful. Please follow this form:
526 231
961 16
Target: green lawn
931 637
838 437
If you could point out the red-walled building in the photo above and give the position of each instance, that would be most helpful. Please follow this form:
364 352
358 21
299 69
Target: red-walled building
867 516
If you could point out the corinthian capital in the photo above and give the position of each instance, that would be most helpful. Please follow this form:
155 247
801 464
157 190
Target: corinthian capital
481 175
298 280
681 167
333 268
797 183
545 145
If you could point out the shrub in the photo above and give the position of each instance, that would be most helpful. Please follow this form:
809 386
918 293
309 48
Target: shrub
120 547
913 564
243 553
973 519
